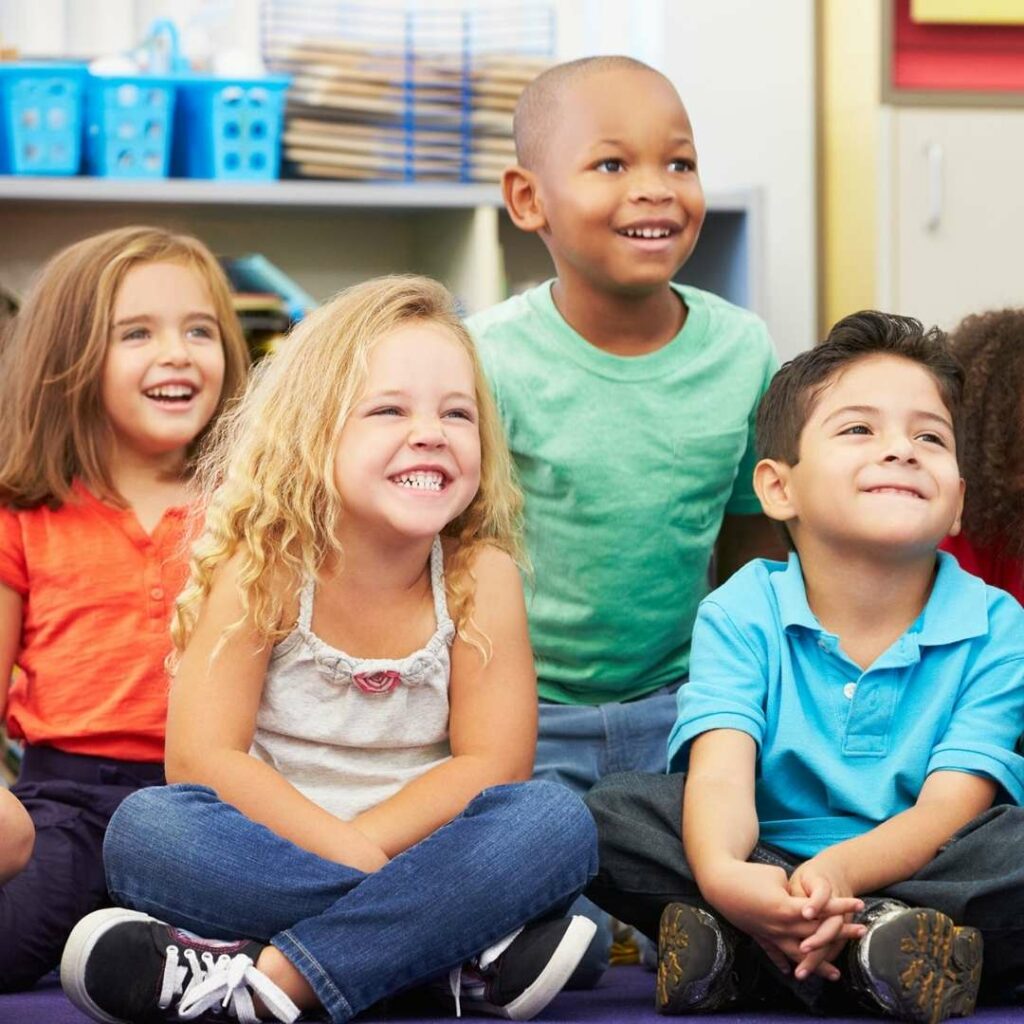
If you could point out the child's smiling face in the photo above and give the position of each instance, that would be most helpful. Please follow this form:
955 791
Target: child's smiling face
408 460
877 465
617 182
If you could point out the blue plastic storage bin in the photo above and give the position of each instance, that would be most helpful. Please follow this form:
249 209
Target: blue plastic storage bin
228 128
40 117
129 120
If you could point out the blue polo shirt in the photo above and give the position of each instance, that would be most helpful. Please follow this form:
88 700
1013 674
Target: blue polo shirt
840 749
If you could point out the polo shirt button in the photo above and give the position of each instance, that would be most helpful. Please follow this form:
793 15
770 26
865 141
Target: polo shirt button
157 593
849 690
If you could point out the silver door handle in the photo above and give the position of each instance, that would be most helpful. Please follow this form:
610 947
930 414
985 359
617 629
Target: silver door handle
935 155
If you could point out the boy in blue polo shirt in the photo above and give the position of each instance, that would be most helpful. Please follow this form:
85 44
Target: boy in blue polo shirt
852 801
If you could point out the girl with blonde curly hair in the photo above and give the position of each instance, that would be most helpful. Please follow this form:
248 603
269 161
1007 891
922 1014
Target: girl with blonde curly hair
353 718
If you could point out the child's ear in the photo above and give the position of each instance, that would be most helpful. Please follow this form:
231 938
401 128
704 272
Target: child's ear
522 199
772 486
955 528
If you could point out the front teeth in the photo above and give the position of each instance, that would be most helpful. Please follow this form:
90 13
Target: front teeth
171 391
646 232
421 481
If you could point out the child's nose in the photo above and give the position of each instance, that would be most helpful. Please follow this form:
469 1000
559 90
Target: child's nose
174 349
650 186
427 432
899 448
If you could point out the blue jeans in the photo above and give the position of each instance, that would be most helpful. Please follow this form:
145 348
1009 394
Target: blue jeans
578 745
515 853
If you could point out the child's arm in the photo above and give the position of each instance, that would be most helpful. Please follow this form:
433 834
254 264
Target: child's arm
493 719
210 725
743 538
17 836
10 638
891 852
720 830
898 848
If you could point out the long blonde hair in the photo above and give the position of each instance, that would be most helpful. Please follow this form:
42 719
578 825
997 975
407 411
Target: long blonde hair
53 426
268 473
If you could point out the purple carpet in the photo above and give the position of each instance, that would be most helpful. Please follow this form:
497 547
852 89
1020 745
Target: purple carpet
626 995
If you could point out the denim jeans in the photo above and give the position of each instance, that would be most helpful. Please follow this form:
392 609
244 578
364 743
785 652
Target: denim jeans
579 744
515 853
977 878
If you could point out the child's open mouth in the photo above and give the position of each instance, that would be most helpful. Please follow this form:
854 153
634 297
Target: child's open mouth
171 394
421 480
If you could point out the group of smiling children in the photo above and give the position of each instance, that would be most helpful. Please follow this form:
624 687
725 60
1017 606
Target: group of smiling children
350 788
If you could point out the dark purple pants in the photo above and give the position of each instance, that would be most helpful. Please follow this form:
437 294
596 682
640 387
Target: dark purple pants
70 798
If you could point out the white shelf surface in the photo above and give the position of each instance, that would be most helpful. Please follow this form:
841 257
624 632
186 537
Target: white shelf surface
308 194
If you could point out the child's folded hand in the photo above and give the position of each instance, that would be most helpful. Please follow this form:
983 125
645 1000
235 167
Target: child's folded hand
756 899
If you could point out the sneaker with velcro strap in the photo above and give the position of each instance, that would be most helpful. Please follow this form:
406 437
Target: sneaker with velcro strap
518 976
124 967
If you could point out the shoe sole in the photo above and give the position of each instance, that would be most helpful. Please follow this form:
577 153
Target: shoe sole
568 953
938 966
80 944
680 930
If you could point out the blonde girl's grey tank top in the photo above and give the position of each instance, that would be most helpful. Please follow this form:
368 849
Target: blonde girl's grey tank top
349 732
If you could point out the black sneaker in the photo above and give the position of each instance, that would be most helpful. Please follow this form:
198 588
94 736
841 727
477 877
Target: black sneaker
914 964
696 958
517 977
123 967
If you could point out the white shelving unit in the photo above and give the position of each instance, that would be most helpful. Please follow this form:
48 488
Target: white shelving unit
328 235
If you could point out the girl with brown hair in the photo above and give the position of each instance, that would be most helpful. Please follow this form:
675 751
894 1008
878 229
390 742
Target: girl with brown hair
123 355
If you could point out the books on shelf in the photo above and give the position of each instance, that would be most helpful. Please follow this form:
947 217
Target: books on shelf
394 93
266 300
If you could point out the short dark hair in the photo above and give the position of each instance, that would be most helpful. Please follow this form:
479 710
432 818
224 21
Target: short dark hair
535 117
787 404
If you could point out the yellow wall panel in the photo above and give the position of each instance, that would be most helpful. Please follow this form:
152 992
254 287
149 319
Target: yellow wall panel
968 12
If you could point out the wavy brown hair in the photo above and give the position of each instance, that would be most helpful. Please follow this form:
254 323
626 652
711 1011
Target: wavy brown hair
268 473
54 428
990 346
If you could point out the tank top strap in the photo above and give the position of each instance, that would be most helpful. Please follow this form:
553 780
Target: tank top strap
306 604
437 583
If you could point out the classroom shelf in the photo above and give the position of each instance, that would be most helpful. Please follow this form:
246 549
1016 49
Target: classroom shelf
328 235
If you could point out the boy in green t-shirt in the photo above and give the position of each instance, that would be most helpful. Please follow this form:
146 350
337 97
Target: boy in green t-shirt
629 404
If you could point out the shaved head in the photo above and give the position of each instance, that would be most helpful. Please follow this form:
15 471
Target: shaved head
536 115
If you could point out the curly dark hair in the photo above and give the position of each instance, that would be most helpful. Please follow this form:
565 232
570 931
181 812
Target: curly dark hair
990 347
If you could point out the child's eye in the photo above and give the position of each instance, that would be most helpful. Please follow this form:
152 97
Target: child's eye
202 332
683 164
931 438
386 410
460 414
135 334
610 166
857 428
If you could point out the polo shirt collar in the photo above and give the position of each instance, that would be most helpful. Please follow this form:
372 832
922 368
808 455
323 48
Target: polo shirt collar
957 608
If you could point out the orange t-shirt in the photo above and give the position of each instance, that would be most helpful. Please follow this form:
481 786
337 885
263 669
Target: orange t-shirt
97 594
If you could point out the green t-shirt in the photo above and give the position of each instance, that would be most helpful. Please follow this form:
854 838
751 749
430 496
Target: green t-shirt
627 464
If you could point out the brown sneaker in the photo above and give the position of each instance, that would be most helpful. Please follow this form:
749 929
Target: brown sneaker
915 964
696 955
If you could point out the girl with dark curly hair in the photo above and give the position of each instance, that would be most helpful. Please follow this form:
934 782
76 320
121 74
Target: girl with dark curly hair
991 448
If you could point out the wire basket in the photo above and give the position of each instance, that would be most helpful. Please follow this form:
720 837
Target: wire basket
394 93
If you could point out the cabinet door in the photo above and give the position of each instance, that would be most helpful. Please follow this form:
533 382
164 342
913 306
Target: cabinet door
952 233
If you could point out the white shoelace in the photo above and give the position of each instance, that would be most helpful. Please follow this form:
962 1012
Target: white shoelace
221 983
484 960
